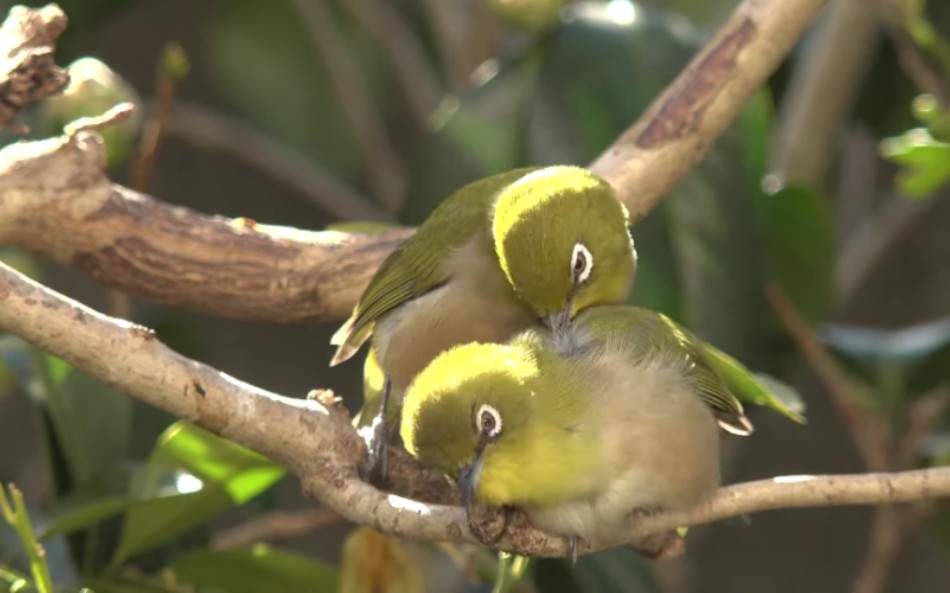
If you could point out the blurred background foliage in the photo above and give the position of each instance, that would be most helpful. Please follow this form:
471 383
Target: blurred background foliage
316 112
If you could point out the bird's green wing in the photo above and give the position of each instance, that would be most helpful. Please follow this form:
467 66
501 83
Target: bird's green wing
712 387
647 335
416 267
757 388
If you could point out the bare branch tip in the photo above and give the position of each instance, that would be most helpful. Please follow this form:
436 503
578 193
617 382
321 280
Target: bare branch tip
117 114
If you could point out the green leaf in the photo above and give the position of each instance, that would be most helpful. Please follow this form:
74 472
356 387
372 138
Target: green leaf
92 423
260 568
208 475
130 583
759 389
70 518
801 243
912 360
620 570
925 162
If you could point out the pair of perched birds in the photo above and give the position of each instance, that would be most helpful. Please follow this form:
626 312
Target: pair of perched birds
497 329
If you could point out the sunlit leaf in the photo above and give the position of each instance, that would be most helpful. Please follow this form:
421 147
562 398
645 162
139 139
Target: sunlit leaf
260 568
925 162
202 474
511 569
13 581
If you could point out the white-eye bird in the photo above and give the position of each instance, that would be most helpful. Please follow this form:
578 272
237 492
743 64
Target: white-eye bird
493 259
579 433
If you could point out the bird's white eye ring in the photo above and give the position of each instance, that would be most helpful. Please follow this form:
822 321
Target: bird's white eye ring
582 263
488 421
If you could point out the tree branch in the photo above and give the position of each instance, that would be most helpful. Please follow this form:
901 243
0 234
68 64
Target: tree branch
314 439
28 72
56 201
679 128
227 268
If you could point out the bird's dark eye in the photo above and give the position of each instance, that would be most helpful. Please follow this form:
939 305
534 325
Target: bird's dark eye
582 263
488 421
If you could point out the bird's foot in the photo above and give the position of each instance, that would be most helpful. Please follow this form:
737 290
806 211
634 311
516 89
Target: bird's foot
488 524
572 548
376 470
656 546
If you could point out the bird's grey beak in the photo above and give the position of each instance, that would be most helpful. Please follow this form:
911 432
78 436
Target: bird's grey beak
559 321
468 480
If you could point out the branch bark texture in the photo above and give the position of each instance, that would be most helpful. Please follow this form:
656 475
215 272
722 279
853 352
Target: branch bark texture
314 439
56 201
679 128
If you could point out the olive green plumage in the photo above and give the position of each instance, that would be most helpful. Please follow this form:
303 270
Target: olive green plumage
494 258
579 430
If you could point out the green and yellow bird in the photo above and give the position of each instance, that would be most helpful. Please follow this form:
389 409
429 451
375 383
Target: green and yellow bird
493 259
579 430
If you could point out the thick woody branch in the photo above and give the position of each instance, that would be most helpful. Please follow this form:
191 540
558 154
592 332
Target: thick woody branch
314 439
680 127
28 72
55 200
181 258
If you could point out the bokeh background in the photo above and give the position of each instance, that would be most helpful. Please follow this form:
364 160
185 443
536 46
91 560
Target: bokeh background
833 183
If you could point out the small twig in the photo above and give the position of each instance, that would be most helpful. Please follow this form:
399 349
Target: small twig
15 514
402 47
386 175
449 28
153 132
824 83
209 128
869 434
117 114
482 39
885 538
275 526
875 238
928 77
924 416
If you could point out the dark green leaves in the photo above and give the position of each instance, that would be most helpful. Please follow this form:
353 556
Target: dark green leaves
252 570
910 361
801 246
613 571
